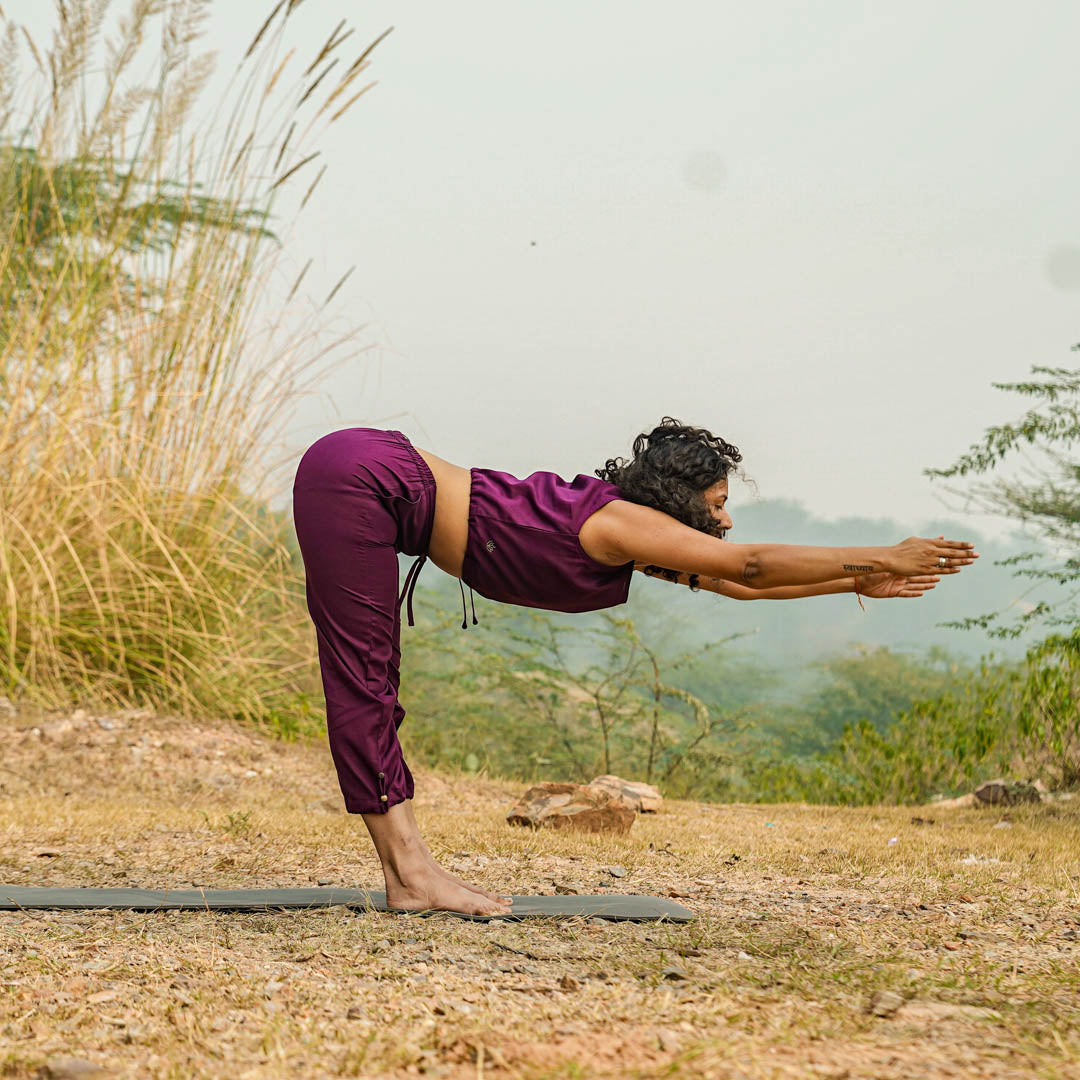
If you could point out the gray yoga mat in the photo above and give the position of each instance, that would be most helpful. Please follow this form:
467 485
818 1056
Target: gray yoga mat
617 908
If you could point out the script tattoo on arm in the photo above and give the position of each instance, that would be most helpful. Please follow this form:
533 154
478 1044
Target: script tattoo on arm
860 569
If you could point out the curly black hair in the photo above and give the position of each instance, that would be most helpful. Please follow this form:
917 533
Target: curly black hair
672 467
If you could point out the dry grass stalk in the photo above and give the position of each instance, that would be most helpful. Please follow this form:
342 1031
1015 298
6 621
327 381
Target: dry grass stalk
140 386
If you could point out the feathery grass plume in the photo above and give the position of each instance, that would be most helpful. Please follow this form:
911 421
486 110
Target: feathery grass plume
140 387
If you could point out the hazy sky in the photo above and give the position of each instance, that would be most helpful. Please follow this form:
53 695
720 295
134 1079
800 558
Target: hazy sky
820 229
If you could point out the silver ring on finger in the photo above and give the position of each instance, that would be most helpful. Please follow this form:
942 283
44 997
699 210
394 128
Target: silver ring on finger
942 562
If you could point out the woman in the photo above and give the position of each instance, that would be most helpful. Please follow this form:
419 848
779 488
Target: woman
362 495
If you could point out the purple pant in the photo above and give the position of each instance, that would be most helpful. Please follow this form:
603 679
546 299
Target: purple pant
361 495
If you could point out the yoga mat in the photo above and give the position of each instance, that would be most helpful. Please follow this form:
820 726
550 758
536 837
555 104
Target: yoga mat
616 907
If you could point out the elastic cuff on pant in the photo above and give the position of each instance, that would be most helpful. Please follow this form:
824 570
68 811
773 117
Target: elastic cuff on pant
376 807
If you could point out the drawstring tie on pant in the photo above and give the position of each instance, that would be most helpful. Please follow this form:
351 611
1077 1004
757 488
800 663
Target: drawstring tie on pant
472 600
411 579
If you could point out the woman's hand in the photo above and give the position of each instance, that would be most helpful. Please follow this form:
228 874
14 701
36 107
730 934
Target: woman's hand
917 556
888 586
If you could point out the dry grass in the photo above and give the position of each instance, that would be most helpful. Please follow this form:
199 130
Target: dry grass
153 347
803 912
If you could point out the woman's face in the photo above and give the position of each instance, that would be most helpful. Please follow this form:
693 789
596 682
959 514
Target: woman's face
716 502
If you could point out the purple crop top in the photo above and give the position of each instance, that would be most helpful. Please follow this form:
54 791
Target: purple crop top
523 548
523 545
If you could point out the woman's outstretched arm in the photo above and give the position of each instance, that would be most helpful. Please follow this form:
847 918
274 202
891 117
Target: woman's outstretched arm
623 532
876 586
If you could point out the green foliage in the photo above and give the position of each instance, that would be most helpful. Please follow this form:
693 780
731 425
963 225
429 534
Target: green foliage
1048 709
1017 720
1045 499
527 696
66 210
872 687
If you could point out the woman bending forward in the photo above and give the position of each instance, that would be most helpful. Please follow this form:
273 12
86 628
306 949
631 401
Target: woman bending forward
362 495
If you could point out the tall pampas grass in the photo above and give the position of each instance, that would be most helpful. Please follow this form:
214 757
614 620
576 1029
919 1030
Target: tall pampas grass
140 383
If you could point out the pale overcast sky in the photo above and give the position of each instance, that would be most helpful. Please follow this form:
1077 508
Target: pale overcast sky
820 229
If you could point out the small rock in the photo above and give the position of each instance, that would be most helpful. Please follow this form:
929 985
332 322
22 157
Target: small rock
356 1012
595 920
57 729
569 983
884 1003
617 871
1003 825
1006 792
69 1068
977 860
670 1041
675 974
744 956
959 803
325 881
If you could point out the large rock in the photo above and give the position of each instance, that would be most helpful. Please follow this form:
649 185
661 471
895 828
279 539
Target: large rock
572 806
1009 792
644 798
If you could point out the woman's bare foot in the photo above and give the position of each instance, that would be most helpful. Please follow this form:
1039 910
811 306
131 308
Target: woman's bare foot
497 897
414 881
424 888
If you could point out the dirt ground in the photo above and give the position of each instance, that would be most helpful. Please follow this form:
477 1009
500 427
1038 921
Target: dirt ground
803 914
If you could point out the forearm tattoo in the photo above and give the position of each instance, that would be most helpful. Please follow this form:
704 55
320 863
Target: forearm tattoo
693 580
859 569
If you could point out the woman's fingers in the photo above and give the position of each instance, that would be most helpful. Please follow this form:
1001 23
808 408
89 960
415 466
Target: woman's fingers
955 549
955 554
